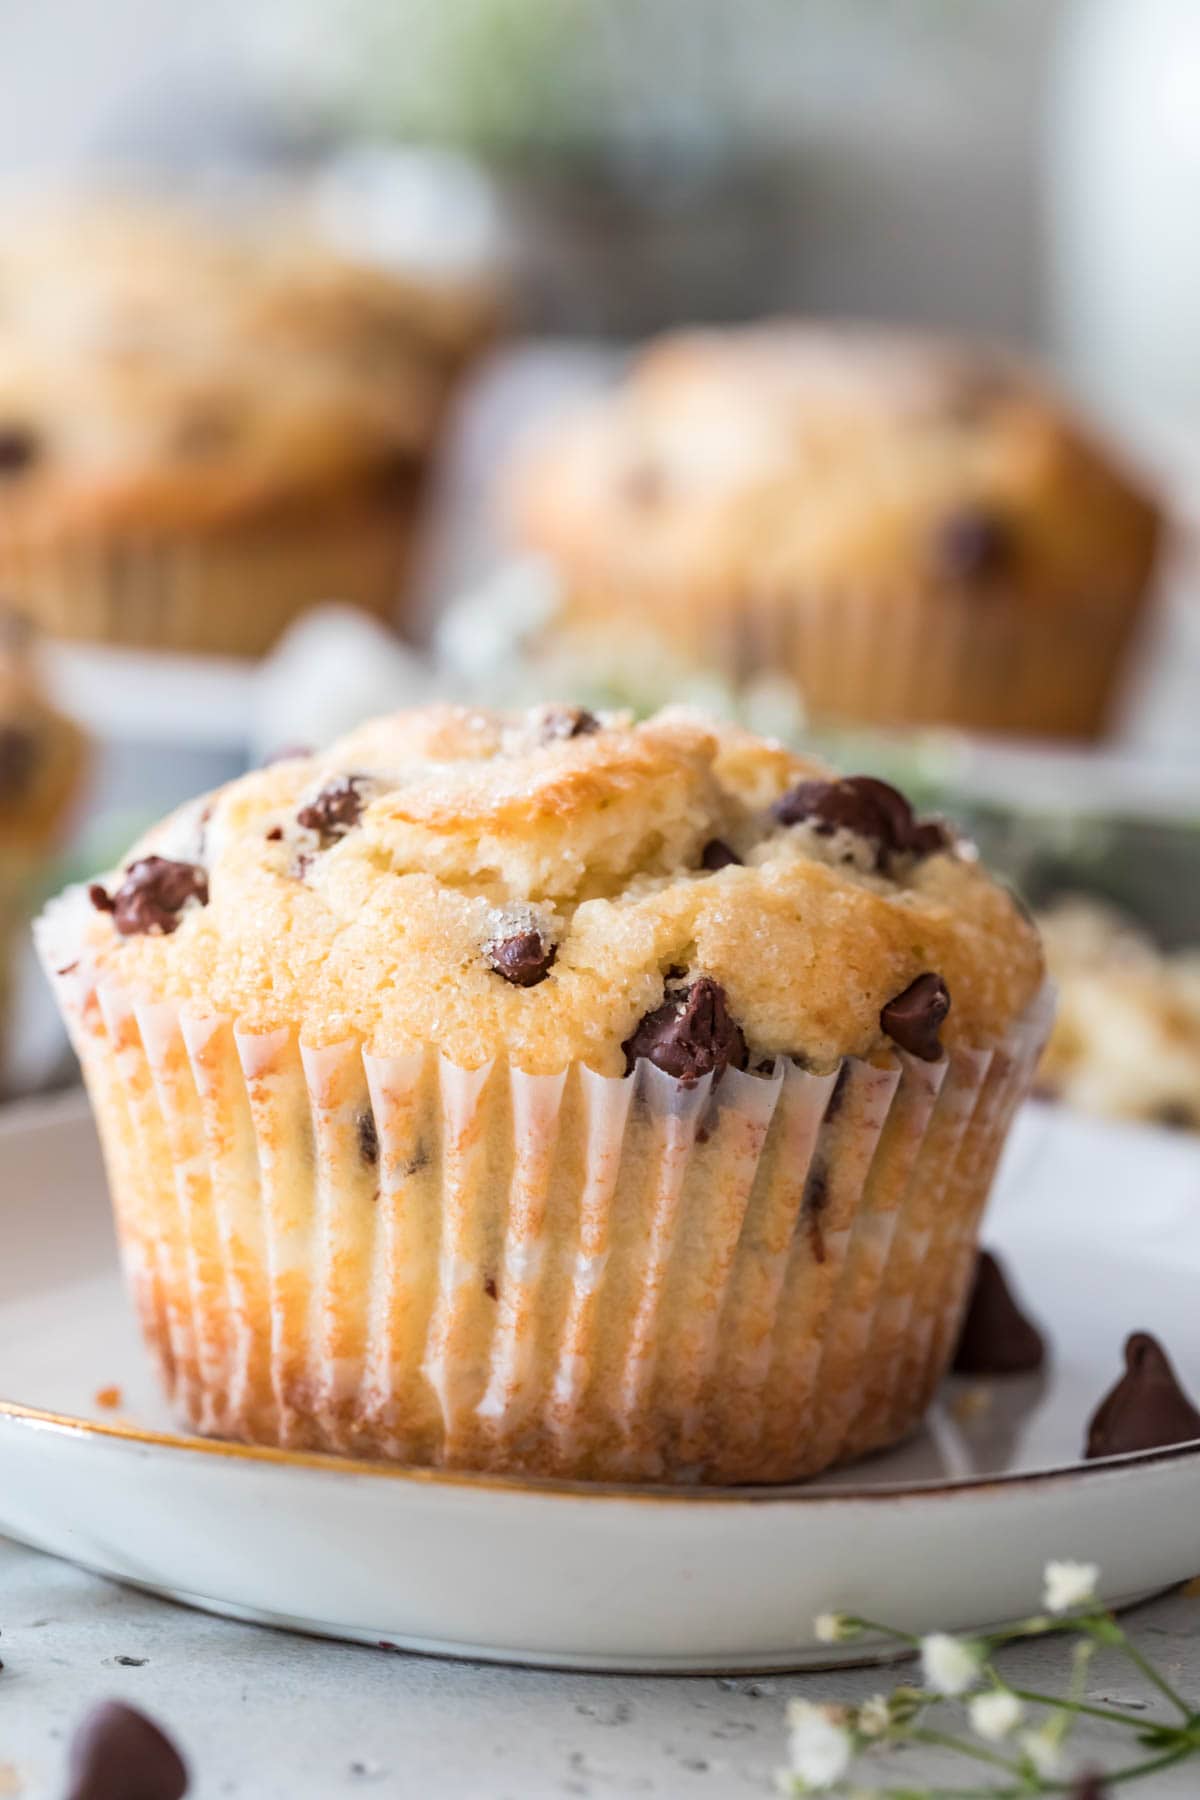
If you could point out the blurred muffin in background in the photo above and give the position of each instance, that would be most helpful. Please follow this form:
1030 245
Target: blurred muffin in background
913 531
1126 1039
207 426
41 768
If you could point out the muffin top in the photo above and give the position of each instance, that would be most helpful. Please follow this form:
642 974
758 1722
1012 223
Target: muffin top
159 366
783 452
557 886
41 751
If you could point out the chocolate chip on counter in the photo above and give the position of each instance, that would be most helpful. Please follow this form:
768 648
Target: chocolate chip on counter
717 854
915 1017
152 895
996 1337
19 450
558 723
368 1137
866 806
525 958
18 760
690 1035
1147 1409
119 1754
974 544
337 808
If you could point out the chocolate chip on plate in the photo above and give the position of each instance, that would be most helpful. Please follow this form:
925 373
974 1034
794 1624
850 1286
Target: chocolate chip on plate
717 854
974 544
915 1017
524 958
19 449
690 1035
337 808
996 1337
558 723
152 895
119 1754
1147 1409
870 808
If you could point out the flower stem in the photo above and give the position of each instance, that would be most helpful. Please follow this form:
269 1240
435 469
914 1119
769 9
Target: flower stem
946 1740
1095 1712
1152 1675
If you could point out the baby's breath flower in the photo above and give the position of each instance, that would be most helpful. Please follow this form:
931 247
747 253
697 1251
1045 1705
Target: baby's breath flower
1044 1751
950 1664
835 1628
820 1748
995 1714
875 1716
1068 1585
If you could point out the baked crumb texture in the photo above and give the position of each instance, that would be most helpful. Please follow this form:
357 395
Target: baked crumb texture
463 1106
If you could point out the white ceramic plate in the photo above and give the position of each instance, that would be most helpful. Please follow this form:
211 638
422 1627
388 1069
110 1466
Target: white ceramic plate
1102 1223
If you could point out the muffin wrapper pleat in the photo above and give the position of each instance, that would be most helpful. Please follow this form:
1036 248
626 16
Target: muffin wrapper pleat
569 1274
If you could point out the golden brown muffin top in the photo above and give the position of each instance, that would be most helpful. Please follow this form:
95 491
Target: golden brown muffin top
41 751
784 452
159 369
555 886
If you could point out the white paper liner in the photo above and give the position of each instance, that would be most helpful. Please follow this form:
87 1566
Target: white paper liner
569 1274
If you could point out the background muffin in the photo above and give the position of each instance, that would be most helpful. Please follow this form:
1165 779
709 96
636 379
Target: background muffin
206 427
41 766
912 530
613 1100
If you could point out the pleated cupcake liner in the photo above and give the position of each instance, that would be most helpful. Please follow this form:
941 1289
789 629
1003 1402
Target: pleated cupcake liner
992 661
228 590
571 1274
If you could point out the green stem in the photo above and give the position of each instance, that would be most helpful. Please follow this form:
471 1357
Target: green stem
1094 1712
889 1631
946 1740
1152 1675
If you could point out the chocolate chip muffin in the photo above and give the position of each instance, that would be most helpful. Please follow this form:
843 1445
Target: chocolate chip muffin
41 767
208 425
915 532
551 1093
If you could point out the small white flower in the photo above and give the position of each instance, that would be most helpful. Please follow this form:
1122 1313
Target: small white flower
951 1664
1044 1752
834 1628
820 1748
995 1714
875 1716
1068 1585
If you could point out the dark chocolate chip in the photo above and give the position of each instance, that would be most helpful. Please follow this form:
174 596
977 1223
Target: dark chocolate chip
489 1287
973 545
19 450
718 855
368 1137
152 895
866 806
18 760
915 1017
337 808
275 835
996 1337
556 723
525 958
1147 1408
690 1035
119 1754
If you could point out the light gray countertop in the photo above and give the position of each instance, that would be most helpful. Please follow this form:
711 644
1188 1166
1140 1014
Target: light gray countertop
267 1716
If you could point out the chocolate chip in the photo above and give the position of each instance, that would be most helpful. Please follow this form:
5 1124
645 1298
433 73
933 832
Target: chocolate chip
490 1288
915 1017
152 896
1147 1409
368 1137
18 760
718 855
275 835
973 545
996 1337
869 808
337 808
556 723
690 1035
19 450
525 958
119 1754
